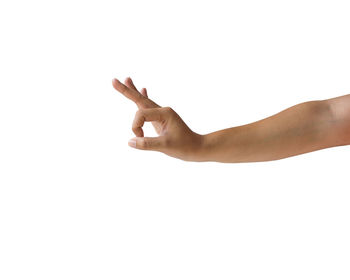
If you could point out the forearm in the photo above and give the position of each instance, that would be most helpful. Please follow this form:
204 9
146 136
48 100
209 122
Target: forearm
299 129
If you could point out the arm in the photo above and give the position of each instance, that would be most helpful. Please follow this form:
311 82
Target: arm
303 128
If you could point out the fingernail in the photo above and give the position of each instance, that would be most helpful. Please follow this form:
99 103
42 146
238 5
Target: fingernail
115 80
132 143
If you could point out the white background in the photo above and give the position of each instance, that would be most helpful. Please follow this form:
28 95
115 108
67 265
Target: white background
77 203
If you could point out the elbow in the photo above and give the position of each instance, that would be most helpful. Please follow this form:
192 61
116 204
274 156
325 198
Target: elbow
339 111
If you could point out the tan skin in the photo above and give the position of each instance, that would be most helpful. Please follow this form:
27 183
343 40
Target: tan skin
303 128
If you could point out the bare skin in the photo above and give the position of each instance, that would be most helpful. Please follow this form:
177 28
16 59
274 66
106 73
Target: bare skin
303 128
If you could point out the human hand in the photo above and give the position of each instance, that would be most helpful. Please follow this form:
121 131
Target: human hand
175 138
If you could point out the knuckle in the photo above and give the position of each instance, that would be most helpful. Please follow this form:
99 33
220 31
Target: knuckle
168 109
139 113
140 98
122 88
143 144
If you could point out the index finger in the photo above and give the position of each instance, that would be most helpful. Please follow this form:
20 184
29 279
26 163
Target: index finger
126 91
147 115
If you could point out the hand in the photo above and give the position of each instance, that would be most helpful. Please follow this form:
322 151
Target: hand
175 139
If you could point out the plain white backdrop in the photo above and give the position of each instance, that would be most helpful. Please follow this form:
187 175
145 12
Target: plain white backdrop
77 203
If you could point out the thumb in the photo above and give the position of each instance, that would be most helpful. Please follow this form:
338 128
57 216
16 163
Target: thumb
147 143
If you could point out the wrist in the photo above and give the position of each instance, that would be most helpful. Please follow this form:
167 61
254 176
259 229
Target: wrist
206 146
218 146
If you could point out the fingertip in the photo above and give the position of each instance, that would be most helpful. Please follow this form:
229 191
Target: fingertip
119 86
132 143
115 82
144 92
138 131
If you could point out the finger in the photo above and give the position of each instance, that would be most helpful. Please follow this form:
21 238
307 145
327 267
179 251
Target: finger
143 115
130 83
144 92
130 93
147 143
